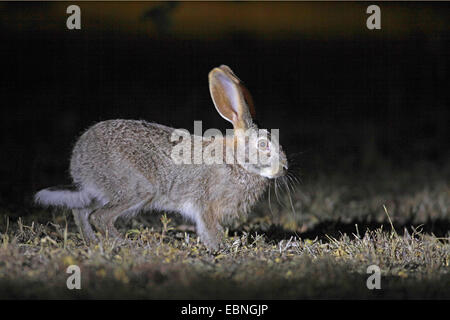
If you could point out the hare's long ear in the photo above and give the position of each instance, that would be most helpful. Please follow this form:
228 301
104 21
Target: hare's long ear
232 100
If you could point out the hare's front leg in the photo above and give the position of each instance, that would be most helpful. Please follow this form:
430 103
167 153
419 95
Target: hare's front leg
209 229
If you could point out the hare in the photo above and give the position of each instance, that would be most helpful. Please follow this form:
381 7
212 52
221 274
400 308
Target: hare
122 167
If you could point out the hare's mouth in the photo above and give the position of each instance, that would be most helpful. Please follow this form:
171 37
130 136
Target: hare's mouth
273 172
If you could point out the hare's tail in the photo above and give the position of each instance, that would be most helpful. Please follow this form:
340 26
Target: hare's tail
64 196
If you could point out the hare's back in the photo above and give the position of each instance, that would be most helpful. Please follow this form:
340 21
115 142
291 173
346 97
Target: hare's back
119 153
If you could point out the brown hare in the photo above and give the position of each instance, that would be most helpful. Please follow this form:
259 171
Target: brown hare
122 167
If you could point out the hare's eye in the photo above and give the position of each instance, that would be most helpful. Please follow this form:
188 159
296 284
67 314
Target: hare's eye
262 144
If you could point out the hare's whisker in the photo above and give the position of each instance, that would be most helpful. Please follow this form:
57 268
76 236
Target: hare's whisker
290 201
276 192
270 204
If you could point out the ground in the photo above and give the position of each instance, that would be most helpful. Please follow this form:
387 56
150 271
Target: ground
318 246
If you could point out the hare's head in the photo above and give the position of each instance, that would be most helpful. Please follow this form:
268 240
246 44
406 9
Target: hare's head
256 150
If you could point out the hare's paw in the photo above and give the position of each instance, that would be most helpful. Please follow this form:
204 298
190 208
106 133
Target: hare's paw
212 244
81 217
211 236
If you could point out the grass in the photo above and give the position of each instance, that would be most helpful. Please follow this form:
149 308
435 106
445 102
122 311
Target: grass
342 224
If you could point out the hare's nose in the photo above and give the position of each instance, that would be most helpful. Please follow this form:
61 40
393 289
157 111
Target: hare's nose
284 164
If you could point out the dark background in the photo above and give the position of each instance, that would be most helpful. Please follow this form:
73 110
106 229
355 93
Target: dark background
345 101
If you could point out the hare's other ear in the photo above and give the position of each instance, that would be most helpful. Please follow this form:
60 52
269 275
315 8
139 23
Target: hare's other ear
231 99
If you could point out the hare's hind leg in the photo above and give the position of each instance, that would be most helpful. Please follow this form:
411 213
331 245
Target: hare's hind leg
104 218
81 217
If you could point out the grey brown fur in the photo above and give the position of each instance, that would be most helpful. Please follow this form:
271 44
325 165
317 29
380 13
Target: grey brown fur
121 167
